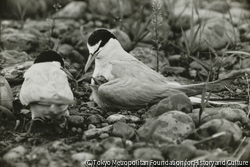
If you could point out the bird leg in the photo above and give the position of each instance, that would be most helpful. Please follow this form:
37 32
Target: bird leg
17 124
31 123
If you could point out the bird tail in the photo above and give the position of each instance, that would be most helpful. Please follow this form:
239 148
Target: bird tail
194 89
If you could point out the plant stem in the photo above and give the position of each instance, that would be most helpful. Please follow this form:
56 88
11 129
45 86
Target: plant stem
157 49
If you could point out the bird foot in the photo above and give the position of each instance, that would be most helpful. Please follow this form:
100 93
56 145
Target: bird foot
32 123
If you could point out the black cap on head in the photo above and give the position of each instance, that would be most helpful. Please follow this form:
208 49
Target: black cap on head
49 56
100 35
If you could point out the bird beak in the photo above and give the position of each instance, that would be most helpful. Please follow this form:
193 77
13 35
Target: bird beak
90 61
70 76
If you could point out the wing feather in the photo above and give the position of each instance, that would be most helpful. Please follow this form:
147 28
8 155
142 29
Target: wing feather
44 81
135 86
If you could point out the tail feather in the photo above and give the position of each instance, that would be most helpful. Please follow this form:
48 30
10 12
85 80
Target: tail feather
242 103
194 89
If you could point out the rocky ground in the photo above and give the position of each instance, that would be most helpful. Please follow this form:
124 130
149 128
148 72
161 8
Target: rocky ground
197 40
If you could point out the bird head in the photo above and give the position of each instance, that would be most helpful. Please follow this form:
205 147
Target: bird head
52 56
96 42
49 56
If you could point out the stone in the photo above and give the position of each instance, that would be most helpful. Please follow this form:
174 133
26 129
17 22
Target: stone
115 142
231 136
95 119
14 75
183 15
11 57
196 70
82 156
6 114
6 94
76 120
246 154
40 25
122 118
74 9
40 154
21 164
33 9
245 63
65 50
111 6
97 131
218 6
166 70
104 136
215 33
122 37
178 152
147 154
217 155
167 128
148 57
123 130
230 114
20 40
178 102
15 153
91 126
239 12
115 153
59 145
70 54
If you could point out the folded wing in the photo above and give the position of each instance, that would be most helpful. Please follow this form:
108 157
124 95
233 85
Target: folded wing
135 86
44 81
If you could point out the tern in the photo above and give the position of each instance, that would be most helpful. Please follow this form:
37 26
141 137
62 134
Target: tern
130 84
46 89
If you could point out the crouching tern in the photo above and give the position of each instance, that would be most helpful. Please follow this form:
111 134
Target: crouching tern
130 84
46 89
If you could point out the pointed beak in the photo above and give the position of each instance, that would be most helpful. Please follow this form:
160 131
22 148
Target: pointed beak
70 76
90 61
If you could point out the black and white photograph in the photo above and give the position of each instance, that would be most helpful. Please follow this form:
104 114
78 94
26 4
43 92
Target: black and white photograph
124 83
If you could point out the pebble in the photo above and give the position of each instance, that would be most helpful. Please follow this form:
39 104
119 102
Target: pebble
14 153
104 124
79 130
115 153
147 154
123 130
178 102
21 164
122 118
95 119
228 113
74 9
104 136
97 132
115 142
216 33
167 128
82 156
76 120
231 133
91 126
178 152
18 40
73 129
